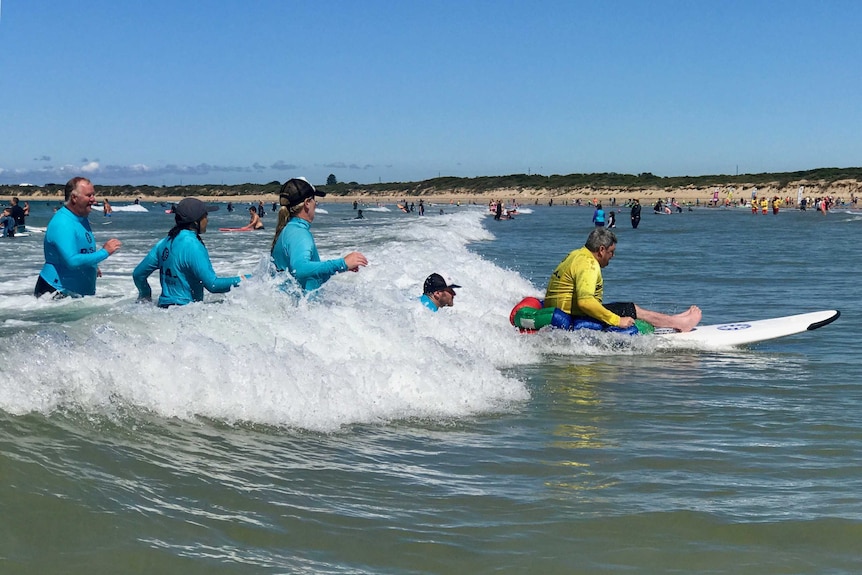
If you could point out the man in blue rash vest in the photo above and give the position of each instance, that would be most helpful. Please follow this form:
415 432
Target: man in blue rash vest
293 247
437 292
182 259
71 258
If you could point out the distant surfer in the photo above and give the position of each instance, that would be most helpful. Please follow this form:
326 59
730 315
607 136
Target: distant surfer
19 215
182 259
254 222
293 248
636 214
107 210
612 219
576 287
7 224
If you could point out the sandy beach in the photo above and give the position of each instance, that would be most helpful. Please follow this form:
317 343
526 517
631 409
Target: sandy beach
841 190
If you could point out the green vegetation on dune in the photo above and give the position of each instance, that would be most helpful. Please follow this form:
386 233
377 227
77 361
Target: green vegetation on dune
478 185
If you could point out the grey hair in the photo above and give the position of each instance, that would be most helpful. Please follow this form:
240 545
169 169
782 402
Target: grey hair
600 237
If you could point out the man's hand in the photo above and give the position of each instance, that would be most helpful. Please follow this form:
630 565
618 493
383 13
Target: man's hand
112 245
626 322
354 261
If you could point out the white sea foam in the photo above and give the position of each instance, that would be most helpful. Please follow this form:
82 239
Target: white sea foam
362 349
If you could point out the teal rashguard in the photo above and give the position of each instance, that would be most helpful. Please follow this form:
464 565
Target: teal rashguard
428 302
184 271
71 258
296 252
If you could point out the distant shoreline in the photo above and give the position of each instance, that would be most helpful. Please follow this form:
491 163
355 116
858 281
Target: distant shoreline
844 185
839 190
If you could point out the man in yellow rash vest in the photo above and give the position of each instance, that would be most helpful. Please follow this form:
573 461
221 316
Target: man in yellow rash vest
576 287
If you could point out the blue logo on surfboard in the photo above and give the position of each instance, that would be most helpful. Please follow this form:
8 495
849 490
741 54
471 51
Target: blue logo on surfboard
734 326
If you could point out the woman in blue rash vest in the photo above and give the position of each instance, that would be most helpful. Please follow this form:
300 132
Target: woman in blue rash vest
71 258
182 260
293 247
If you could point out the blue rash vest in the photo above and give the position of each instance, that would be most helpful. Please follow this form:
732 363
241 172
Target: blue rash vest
296 252
71 258
428 302
184 271
599 217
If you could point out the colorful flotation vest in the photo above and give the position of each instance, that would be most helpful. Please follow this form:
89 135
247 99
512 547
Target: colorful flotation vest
529 315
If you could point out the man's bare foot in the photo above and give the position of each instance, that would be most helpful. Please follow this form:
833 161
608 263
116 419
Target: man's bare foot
688 319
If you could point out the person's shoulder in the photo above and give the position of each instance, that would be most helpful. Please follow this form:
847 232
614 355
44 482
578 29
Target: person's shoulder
428 302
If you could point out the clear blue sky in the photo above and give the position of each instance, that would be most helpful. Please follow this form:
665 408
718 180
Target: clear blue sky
229 91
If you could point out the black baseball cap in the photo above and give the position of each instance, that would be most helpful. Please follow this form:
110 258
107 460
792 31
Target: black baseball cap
436 282
191 210
297 190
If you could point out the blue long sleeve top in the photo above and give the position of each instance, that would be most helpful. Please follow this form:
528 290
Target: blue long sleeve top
296 252
184 268
599 216
71 258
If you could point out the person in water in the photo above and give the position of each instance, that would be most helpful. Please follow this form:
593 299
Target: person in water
576 287
255 223
599 216
437 292
19 214
71 258
7 224
293 248
182 259
636 214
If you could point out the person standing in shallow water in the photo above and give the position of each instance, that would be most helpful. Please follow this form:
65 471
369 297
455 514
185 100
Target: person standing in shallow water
636 214
71 258
599 216
182 259
293 248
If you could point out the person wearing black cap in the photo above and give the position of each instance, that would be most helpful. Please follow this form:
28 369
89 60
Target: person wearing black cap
293 247
437 292
182 259
71 258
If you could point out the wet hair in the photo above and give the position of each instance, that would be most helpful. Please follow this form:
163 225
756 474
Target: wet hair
253 209
600 238
72 185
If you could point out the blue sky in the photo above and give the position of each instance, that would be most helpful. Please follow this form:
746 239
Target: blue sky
164 92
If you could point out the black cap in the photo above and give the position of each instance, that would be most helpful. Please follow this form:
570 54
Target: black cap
436 282
297 190
191 210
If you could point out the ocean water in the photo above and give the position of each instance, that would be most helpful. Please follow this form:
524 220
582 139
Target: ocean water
356 432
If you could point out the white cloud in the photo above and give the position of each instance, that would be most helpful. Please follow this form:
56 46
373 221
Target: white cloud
90 167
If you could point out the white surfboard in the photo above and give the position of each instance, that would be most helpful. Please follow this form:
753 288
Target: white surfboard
744 332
